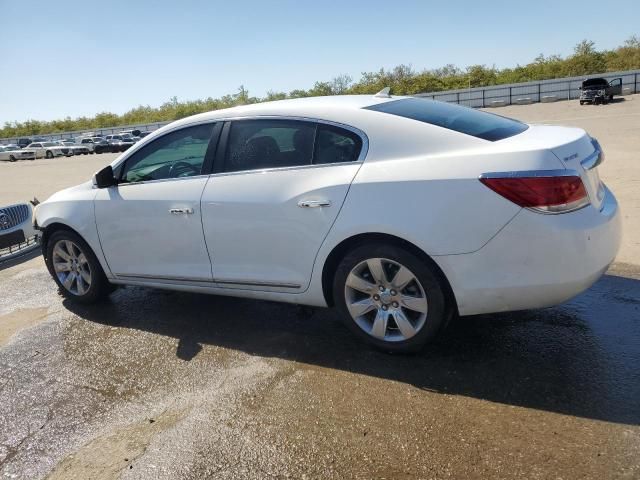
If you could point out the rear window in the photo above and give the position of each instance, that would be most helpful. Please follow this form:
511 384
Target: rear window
453 117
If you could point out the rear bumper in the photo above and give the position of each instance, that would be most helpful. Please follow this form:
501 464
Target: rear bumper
536 260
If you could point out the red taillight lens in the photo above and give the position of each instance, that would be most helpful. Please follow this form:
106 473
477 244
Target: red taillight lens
554 194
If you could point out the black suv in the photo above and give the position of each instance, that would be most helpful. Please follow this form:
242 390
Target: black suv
599 90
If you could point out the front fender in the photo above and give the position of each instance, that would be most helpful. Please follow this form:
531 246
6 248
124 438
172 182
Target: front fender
74 209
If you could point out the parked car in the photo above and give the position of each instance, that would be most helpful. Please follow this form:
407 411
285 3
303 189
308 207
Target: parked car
90 143
399 211
101 146
74 148
118 143
131 134
13 153
599 90
129 137
23 142
48 149
16 225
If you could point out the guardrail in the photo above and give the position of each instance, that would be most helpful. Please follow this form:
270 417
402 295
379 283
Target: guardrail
477 97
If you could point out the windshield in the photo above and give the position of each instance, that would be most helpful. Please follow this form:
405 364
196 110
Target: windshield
453 117
48 144
595 82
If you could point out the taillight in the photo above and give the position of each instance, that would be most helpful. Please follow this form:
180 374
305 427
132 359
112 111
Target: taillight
546 192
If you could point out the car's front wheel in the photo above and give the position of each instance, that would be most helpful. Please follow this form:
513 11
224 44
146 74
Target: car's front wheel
75 268
390 298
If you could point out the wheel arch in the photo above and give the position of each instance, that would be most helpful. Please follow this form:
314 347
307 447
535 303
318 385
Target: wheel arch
51 229
340 250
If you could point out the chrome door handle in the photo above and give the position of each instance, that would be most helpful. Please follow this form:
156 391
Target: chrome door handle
314 203
181 211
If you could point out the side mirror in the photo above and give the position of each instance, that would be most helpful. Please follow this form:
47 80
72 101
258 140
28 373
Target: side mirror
104 178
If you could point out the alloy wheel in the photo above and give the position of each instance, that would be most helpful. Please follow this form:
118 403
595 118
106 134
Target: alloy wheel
72 267
386 300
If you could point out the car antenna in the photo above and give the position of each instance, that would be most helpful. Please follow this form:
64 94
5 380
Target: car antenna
384 93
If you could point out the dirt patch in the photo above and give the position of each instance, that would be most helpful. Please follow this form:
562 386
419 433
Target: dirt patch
106 456
18 320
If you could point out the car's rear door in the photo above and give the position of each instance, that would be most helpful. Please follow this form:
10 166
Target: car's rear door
149 224
277 187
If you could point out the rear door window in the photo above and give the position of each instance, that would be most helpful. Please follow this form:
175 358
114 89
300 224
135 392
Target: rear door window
261 144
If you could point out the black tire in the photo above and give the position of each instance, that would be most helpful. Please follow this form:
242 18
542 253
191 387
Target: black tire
12 158
49 154
581 102
99 287
611 98
438 312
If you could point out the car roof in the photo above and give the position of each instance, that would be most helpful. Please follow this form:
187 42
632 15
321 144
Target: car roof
385 134
329 107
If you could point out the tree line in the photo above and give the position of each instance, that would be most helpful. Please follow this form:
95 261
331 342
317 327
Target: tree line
403 80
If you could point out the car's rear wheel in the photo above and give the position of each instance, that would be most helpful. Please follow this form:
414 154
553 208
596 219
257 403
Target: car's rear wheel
390 298
581 102
12 158
75 268
49 154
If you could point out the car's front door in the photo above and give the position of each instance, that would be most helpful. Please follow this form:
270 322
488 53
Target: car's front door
277 188
149 224
615 86
37 148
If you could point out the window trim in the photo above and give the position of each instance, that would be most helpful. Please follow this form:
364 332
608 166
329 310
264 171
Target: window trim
218 166
214 158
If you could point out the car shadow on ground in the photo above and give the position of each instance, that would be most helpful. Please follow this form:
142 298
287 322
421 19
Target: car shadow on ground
581 359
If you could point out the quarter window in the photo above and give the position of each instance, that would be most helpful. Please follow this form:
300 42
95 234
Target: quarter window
260 144
177 154
336 145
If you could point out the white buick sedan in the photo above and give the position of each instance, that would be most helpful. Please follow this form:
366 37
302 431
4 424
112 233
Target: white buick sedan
398 211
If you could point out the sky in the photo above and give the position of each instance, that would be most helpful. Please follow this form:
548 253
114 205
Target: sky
80 57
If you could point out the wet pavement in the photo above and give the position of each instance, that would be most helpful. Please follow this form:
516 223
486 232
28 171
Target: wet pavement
157 384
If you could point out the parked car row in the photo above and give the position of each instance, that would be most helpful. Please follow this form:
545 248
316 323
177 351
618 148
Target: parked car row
32 148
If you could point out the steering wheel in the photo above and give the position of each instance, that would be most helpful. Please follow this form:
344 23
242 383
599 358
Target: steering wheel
180 168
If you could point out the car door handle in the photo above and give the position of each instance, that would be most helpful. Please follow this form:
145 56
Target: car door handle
314 203
181 211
